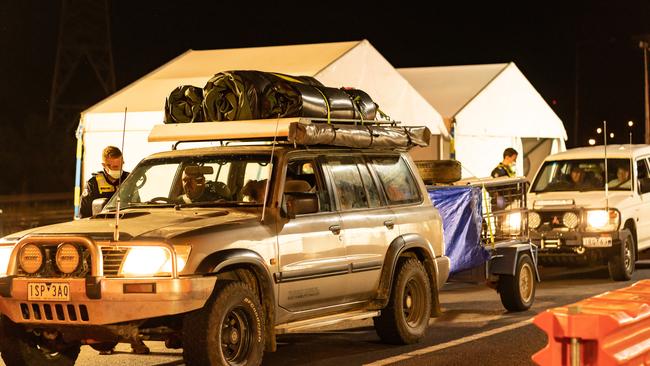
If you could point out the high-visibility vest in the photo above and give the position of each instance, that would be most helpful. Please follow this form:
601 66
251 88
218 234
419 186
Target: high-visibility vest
103 185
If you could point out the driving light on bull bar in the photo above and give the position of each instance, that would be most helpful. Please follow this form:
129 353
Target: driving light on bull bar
150 261
512 223
534 220
602 220
31 258
570 220
67 258
5 254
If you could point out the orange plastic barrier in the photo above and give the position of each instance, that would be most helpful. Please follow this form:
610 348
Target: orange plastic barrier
612 328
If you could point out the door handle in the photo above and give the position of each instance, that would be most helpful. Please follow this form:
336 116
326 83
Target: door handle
389 224
335 229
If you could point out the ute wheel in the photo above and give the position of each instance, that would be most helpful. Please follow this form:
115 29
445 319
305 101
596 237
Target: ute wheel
621 266
228 330
518 292
104 347
21 348
405 318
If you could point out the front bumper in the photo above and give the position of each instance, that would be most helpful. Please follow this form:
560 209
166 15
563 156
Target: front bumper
169 296
561 248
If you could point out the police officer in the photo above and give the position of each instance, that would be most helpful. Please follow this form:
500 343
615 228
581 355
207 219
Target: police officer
103 184
506 168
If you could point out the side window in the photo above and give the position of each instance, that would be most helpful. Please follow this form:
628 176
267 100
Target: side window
348 182
304 176
643 176
396 179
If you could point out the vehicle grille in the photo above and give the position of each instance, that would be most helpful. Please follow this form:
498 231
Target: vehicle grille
553 219
113 258
54 312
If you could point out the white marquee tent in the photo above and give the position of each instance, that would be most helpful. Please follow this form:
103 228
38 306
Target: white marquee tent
491 107
353 64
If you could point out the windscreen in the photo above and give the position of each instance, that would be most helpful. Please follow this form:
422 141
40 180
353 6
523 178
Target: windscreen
195 180
583 175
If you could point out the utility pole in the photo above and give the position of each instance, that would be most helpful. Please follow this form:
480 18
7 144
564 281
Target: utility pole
84 38
644 46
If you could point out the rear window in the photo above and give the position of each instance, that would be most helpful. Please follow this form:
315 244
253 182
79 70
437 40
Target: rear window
396 180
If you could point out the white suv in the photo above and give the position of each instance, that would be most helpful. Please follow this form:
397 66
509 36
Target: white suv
576 218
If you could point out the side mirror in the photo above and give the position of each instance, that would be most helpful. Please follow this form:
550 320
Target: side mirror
300 203
98 205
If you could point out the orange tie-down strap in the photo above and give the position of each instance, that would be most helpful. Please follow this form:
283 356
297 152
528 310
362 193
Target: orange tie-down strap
612 328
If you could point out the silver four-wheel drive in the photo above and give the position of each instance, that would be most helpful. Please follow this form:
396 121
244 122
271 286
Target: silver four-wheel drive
218 249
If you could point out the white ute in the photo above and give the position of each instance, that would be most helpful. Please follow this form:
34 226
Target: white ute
576 218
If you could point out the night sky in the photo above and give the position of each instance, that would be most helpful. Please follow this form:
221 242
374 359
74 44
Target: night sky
548 41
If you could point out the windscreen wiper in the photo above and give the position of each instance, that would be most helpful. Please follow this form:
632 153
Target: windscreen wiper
216 204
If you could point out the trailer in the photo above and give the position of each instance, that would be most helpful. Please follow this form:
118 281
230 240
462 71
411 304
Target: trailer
486 232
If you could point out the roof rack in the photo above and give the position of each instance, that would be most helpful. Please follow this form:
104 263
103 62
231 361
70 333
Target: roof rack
297 130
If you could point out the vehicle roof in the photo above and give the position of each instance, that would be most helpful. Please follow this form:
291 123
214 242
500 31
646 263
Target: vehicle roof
598 152
261 149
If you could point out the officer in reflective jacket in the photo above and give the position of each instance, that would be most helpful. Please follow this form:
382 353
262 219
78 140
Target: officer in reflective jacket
103 184
506 168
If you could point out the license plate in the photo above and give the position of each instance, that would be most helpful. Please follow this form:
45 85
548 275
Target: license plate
41 291
599 242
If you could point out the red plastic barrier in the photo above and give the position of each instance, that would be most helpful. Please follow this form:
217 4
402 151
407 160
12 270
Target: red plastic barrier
608 329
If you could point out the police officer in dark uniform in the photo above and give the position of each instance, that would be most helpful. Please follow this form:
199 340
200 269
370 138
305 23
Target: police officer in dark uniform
103 184
506 167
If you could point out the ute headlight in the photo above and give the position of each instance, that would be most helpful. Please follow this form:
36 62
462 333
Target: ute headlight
570 220
68 258
151 261
534 220
31 258
602 220
5 254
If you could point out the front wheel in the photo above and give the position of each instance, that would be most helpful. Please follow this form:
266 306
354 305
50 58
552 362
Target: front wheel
20 347
405 319
621 266
228 330
518 292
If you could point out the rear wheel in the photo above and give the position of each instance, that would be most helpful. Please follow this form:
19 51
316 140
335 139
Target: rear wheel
228 330
20 347
518 292
406 317
621 266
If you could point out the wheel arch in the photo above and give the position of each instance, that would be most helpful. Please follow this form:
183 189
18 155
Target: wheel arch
413 245
232 264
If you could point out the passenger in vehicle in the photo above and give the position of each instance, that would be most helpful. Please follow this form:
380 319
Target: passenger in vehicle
622 178
578 179
195 188
253 190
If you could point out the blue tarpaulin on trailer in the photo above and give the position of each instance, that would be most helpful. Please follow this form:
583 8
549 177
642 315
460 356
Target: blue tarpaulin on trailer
460 208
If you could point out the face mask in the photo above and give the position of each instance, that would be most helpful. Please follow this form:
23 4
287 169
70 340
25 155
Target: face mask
115 174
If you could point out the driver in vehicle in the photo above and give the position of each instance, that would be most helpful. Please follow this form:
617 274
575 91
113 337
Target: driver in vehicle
196 189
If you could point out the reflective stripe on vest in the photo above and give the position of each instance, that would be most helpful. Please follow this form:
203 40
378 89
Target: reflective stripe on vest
103 185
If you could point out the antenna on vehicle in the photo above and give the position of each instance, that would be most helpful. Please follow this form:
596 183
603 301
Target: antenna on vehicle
606 176
630 124
116 233
268 180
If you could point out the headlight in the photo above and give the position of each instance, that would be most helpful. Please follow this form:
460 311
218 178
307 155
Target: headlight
602 220
570 220
512 223
151 261
534 220
5 254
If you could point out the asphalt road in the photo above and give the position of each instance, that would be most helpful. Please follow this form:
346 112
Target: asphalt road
474 329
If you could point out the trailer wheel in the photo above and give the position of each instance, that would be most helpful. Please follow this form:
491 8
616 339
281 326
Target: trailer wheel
621 266
20 347
518 292
406 317
228 330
